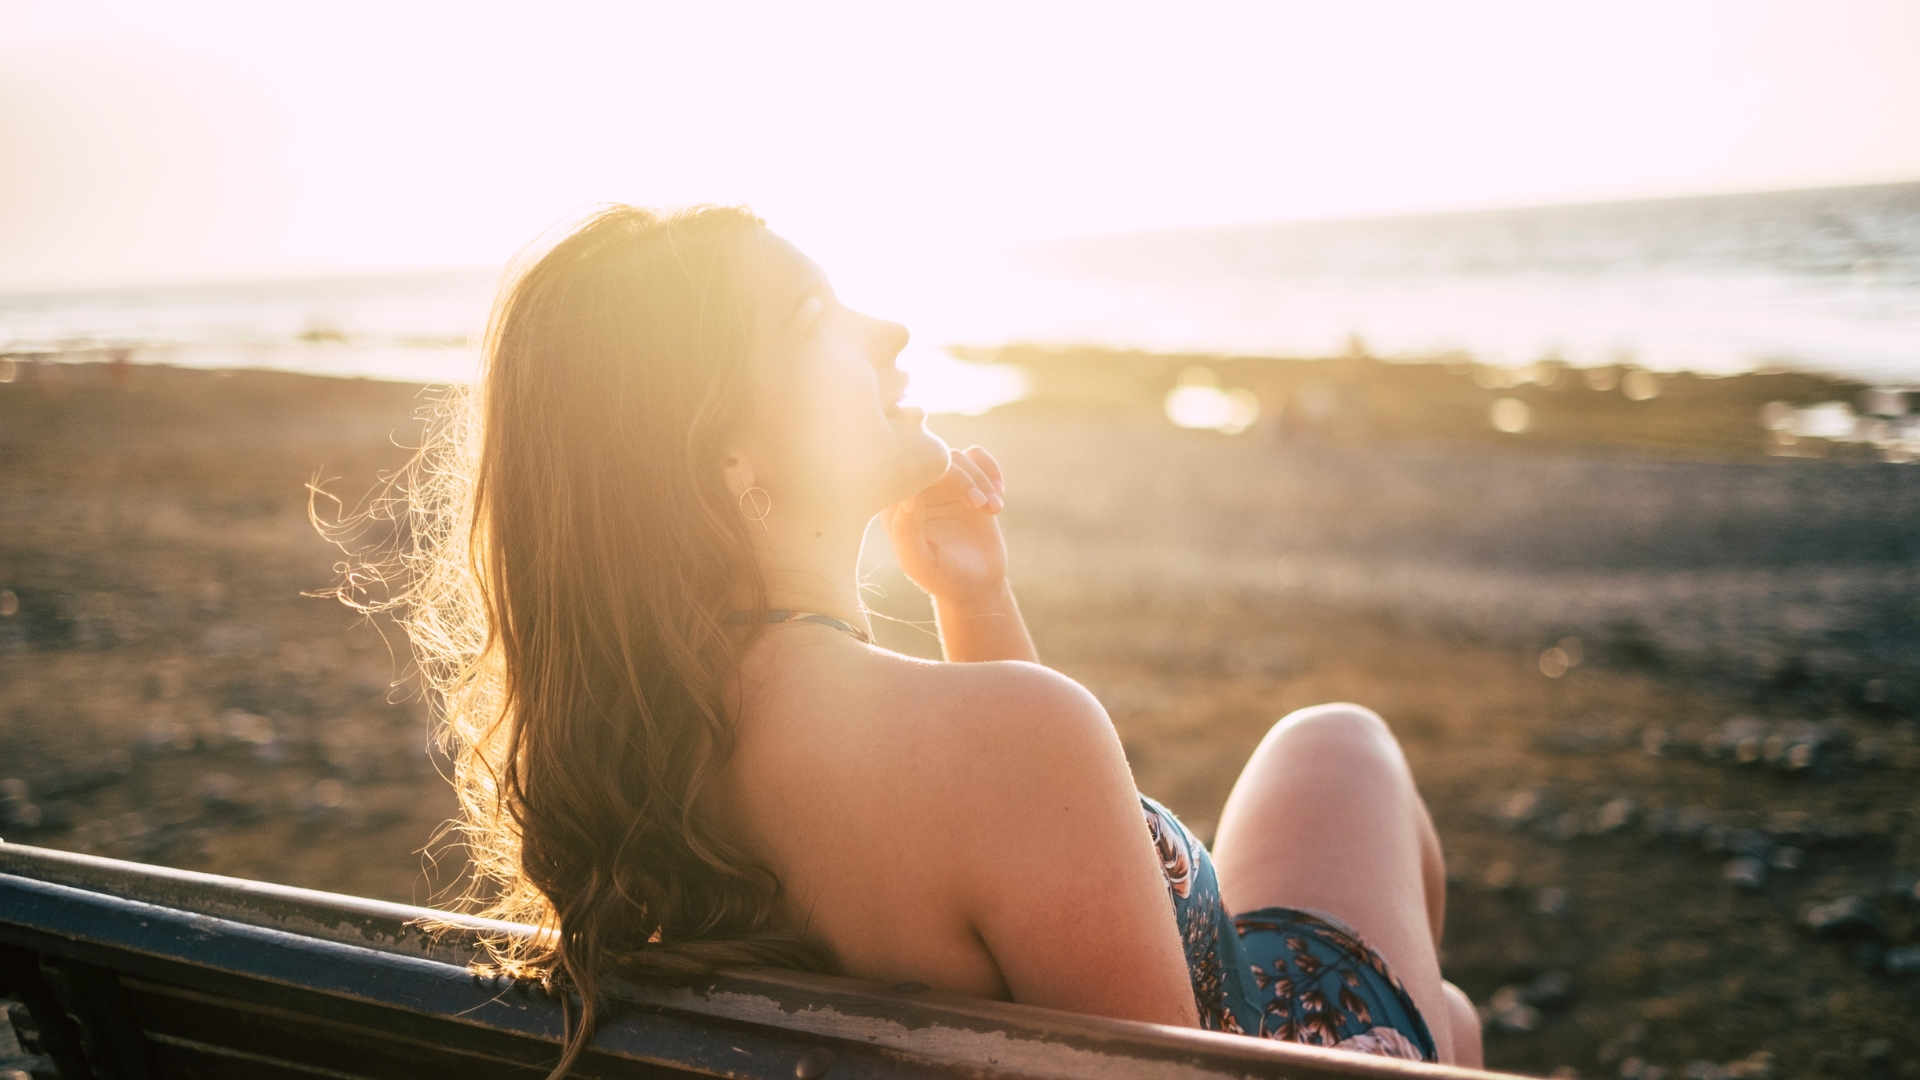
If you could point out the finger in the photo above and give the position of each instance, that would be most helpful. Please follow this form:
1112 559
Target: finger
981 495
908 509
980 457
953 486
905 522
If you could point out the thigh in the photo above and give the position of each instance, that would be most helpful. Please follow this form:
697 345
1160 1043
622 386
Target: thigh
1326 817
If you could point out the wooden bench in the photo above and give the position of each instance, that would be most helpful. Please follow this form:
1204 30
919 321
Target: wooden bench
121 971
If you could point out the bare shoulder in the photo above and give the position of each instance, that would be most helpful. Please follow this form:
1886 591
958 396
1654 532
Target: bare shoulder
1010 743
1011 708
1040 838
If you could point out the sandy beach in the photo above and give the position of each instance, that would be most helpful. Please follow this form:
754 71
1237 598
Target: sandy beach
1656 668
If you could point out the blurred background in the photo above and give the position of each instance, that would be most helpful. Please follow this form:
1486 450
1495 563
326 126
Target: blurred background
1541 376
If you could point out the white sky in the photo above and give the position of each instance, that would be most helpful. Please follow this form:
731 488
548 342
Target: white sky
179 141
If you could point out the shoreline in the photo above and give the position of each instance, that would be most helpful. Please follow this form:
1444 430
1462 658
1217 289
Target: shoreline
1345 400
1359 399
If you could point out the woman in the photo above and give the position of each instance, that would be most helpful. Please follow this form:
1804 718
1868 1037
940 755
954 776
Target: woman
633 588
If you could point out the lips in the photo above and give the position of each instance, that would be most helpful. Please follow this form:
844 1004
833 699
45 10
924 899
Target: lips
894 408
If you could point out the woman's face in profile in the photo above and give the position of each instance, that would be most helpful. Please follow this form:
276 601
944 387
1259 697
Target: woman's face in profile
828 430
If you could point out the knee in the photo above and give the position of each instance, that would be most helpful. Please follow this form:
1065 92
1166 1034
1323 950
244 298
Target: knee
1352 735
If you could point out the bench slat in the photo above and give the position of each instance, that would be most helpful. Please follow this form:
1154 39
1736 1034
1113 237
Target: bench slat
181 1018
211 966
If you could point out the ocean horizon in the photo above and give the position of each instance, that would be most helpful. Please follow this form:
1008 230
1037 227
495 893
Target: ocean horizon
1824 280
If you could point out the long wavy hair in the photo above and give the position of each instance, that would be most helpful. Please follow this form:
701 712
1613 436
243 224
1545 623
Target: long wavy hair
563 552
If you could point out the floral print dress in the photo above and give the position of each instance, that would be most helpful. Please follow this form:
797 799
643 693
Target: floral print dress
1281 973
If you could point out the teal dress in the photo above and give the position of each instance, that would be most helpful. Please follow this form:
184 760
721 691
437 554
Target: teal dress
1281 973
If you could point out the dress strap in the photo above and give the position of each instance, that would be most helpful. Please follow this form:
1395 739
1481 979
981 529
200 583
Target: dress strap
785 615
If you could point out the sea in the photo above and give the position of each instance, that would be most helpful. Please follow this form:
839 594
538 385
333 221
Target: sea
1823 280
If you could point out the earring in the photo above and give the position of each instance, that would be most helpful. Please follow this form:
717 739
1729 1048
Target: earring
755 505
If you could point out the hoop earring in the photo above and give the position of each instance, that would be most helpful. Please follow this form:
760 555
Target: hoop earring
761 502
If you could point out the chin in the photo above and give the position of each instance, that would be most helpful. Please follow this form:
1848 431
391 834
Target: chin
923 455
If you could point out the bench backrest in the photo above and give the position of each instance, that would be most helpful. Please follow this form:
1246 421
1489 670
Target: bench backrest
133 971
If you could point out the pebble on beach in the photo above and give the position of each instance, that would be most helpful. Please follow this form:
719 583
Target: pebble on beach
1745 871
1847 917
1553 902
1904 960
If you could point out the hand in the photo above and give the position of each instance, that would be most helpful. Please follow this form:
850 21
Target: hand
946 538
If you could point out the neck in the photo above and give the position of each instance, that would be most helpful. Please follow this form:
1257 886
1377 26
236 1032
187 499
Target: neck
813 567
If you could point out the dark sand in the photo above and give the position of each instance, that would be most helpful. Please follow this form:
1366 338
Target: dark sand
166 694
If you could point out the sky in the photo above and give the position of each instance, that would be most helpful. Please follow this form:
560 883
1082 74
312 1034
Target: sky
153 143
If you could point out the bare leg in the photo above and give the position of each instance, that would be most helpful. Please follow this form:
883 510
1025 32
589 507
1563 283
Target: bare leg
1465 1022
1326 816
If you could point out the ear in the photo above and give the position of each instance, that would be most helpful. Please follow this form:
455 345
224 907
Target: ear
738 472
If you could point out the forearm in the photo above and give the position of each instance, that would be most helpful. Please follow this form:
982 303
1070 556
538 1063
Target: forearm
989 628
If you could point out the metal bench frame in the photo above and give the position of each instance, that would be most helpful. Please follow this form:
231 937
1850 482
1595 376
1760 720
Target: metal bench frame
135 972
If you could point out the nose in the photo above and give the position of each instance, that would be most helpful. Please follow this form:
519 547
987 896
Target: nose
889 339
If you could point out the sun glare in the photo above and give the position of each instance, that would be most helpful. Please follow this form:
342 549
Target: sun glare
1197 401
942 384
207 140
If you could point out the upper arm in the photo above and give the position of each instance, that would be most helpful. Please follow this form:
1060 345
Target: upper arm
1057 874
